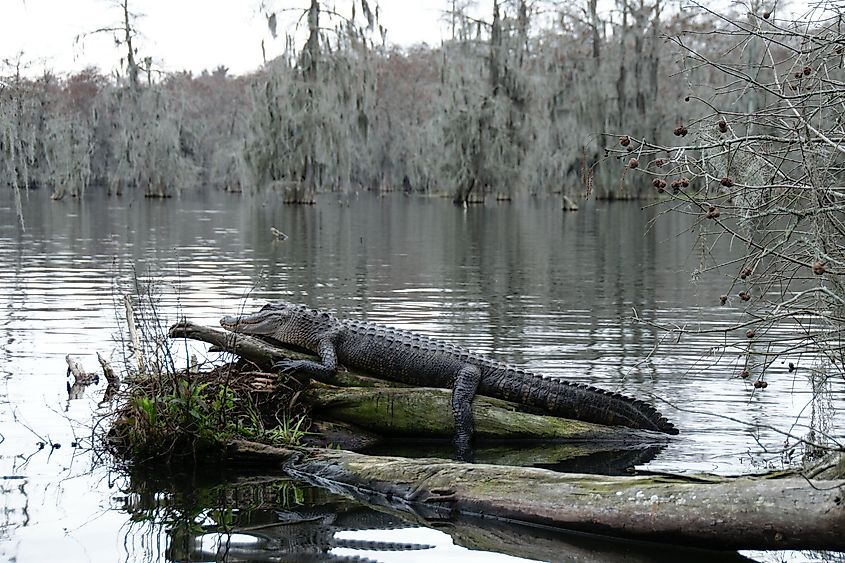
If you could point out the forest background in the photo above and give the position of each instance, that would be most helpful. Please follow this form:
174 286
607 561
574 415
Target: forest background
523 100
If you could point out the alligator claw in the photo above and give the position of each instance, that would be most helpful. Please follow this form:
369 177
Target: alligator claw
288 367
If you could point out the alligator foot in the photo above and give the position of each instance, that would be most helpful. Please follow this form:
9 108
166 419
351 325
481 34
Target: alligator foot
289 367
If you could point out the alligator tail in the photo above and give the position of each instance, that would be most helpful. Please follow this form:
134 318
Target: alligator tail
579 401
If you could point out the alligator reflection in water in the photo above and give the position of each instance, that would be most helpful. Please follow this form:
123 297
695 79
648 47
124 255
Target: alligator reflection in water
275 519
255 519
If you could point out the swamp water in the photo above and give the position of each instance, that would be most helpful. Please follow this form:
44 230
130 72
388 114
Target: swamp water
525 282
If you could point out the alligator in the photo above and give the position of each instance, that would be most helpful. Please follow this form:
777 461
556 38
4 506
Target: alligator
410 358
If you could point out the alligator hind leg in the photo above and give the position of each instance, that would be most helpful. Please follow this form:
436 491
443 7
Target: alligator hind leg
463 392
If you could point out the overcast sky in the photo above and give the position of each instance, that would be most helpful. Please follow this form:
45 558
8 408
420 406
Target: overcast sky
178 34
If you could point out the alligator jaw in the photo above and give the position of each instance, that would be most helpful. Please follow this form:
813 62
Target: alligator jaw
263 322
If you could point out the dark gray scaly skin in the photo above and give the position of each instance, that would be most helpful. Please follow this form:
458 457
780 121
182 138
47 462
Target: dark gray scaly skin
418 360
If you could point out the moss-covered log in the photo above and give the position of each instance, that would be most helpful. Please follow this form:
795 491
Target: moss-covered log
712 512
427 412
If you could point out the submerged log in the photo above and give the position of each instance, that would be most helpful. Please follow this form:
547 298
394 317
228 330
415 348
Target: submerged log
112 379
81 378
389 409
703 511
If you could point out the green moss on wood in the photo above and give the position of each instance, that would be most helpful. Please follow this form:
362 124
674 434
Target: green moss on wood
427 412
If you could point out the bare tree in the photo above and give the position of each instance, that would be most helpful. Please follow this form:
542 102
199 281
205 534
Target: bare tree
763 169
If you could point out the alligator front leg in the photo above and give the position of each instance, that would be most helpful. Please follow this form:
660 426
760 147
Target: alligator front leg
323 371
463 392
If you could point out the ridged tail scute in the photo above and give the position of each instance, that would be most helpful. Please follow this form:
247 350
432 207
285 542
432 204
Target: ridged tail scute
592 404
581 402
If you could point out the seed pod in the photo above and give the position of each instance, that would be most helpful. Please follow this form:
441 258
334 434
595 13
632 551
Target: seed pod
633 163
807 70
767 15
791 367
750 333
727 182
684 182
758 384
713 212
723 125
744 295
745 273
819 268
723 299
625 141
745 373
659 162
763 384
680 131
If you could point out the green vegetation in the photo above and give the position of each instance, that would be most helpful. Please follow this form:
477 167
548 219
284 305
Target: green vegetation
196 414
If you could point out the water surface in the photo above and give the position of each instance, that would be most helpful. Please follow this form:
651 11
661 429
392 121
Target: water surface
550 291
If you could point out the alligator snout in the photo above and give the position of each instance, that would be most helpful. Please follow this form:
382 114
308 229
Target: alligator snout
230 322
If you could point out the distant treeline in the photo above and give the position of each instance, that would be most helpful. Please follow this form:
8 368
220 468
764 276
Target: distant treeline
511 104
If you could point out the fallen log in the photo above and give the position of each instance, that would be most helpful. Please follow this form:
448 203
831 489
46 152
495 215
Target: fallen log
700 511
320 522
388 409
426 412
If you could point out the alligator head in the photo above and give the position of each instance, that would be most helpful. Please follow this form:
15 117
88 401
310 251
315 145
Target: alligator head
287 323
265 322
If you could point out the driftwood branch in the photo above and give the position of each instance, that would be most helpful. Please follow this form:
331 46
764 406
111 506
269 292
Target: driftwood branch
81 378
712 512
255 350
112 379
133 334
